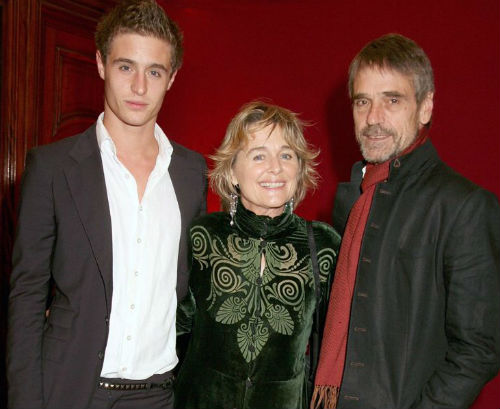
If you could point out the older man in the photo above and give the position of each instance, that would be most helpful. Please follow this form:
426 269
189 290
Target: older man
413 320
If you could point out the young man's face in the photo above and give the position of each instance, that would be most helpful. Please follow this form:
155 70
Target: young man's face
387 118
136 75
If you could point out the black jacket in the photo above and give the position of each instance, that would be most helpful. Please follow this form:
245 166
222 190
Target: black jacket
64 240
424 329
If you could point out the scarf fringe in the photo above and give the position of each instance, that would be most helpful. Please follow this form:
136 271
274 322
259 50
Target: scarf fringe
325 397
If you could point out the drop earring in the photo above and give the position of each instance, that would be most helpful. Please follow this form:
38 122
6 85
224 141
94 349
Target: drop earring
291 204
232 207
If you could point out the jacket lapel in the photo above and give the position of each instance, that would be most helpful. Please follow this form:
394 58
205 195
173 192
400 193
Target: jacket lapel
181 182
88 189
178 181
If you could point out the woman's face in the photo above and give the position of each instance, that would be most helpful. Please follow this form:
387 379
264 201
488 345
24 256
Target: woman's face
266 169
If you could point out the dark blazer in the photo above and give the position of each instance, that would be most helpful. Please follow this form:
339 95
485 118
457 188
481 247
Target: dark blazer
424 329
63 262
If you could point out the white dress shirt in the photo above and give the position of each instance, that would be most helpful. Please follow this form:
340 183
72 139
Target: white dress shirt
142 336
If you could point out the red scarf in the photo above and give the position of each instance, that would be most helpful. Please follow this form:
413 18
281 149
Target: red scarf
333 348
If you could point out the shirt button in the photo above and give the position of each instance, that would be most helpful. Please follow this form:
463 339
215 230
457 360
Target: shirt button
100 355
139 241
132 306
136 273
129 337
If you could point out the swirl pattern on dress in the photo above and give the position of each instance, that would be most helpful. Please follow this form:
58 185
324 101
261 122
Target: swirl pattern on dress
259 305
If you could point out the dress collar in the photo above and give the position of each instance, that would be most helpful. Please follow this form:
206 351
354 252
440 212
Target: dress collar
264 227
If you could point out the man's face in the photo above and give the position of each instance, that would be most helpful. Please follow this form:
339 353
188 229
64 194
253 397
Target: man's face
136 75
386 116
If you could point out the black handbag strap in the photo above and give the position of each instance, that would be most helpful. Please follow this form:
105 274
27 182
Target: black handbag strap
314 344
314 260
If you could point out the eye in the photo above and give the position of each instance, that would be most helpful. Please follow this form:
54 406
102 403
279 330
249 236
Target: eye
394 100
155 73
286 156
361 102
125 68
258 157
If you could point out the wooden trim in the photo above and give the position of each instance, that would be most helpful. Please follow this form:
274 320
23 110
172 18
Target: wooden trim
19 112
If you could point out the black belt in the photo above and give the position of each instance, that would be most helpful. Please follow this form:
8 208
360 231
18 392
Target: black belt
129 386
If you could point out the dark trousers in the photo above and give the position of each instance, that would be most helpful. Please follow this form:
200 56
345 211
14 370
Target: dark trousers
154 398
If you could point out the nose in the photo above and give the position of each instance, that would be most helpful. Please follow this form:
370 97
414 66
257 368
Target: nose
139 84
375 114
275 165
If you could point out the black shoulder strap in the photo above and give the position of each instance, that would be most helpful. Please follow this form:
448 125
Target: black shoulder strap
314 260
314 340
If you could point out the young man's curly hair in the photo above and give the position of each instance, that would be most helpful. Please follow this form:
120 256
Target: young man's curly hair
144 17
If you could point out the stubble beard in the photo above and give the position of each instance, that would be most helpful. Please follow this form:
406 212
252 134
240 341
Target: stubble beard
378 154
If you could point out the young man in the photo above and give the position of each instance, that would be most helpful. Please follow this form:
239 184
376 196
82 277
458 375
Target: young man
100 257
414 309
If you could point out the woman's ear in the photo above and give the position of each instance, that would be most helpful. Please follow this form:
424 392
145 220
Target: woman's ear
234 179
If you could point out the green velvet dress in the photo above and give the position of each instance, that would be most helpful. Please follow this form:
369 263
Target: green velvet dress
250 331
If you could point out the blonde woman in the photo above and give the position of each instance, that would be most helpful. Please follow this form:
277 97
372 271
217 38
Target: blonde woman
253 292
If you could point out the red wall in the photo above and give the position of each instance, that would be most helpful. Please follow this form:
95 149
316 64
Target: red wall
296 53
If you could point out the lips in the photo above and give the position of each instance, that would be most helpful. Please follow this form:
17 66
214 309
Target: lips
272 185
136 104
376 136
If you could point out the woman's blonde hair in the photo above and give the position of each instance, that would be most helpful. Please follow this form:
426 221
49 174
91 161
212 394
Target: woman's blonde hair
251 117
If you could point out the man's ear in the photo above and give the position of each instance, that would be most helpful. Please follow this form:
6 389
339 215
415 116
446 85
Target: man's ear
172 78
100 64
425 110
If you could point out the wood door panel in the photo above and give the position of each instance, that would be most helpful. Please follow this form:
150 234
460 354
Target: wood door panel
78 93
71 90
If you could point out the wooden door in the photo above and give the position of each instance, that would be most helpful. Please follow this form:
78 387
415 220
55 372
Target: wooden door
49 89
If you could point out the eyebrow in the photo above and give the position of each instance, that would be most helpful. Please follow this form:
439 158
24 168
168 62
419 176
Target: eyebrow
359 95
132 62
394 94
262 148
159 66
385 93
